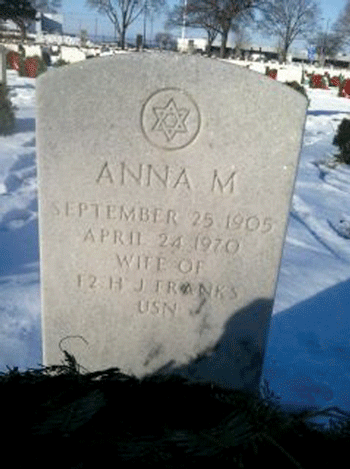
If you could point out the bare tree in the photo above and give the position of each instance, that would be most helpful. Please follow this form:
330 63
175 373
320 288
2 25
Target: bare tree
242 39
328 44
165 41
21 12
288 20
215 16
122 13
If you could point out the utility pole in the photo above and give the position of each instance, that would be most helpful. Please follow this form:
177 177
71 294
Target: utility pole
184 20
145 13
152 19
324 43
326 40
96 28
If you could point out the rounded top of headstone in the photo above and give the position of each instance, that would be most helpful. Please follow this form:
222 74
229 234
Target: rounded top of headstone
156 60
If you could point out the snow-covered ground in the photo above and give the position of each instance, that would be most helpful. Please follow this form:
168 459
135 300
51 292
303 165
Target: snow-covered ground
308 356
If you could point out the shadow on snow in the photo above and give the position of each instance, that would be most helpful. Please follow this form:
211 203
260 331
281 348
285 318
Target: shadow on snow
324 113
308 352
25 124
18 248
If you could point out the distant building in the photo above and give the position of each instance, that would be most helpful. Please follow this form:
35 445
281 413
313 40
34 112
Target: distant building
50 23
341 60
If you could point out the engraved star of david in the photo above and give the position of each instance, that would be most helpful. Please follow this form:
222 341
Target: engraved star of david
170 119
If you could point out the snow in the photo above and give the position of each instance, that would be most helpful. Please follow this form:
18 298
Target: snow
308 356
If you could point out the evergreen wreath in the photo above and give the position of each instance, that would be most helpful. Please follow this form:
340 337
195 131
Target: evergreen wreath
61 416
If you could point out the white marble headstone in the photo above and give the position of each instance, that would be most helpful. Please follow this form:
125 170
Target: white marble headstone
165 184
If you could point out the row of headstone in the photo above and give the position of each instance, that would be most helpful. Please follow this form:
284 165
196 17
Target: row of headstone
325 81
164 197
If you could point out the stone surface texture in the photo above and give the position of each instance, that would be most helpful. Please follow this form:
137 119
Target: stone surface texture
165 184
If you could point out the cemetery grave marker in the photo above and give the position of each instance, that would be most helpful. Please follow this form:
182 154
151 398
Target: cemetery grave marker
164 190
